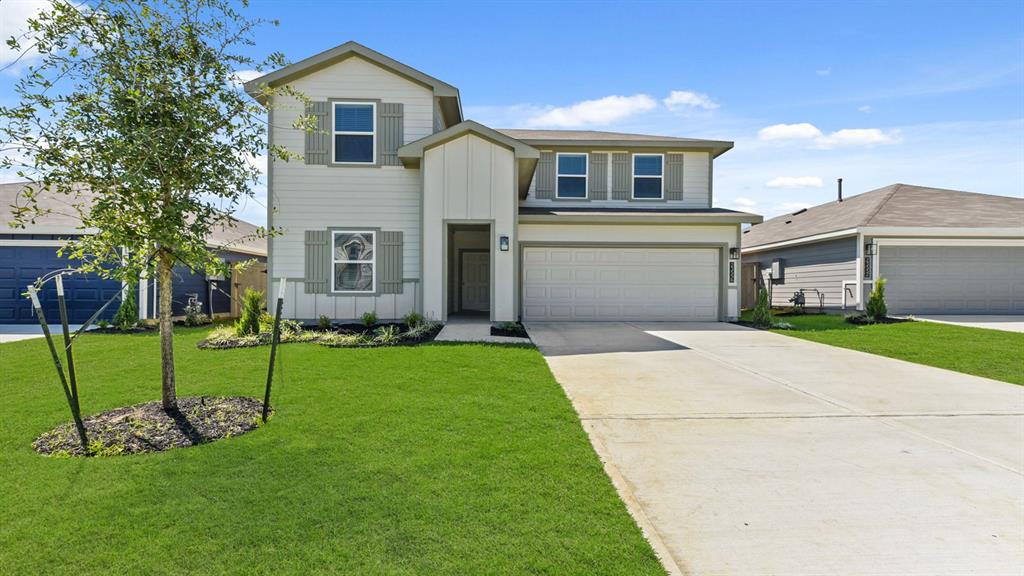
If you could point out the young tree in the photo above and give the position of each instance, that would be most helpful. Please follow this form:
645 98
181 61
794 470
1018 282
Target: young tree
134 112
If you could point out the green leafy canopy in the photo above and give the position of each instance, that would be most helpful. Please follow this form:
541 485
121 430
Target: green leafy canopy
134 113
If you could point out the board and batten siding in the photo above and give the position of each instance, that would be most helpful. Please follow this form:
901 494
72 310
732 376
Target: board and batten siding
696 186
822 265
313 197
468 179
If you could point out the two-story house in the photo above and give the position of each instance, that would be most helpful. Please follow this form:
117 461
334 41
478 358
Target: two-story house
402 205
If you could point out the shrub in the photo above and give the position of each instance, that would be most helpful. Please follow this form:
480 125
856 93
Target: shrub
252 307
289 328
369 319
386 335
102 324
324 323
194 315
127 315
336 340
876 309
412 319
418 331
762 314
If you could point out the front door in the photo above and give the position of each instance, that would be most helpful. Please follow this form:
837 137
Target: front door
475 287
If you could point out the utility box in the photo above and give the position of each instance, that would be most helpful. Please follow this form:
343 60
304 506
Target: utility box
779 270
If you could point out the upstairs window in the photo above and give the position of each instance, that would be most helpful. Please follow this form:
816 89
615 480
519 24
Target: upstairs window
648 170
354 261
355 133
572 176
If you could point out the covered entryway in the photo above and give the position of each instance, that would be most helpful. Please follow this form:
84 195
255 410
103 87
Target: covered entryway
953 279
620 283
469 268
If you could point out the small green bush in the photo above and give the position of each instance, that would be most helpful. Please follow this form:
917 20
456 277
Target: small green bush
252 307
876 309
324 323
386 335
127 315
412 319
369 319
419 330
762 314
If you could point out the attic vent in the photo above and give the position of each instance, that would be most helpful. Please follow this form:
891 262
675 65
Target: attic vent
800 211
746 231
788 221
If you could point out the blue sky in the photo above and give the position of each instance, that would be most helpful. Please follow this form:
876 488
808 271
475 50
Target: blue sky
874 92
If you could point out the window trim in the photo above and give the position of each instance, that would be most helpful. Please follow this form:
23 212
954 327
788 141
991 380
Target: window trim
633 176
585 175
373 262
372 133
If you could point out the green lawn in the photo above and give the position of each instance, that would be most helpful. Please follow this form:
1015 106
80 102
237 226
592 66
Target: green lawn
989 353
426 460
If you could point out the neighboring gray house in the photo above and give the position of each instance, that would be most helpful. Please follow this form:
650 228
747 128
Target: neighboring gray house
942 252
403 205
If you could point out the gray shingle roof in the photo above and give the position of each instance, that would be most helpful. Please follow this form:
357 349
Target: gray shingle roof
598 138
895 205
62 216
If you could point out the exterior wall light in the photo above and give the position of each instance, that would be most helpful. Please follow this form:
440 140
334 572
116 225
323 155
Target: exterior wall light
869 248
734 253
503 243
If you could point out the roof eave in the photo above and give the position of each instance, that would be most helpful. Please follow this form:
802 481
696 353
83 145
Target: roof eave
717 148
728 218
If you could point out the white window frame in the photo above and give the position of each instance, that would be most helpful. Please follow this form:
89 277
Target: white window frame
335 261
633 176
585 175
373 133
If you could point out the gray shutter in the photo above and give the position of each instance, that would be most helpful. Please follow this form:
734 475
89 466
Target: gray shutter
390 133
598 176
621 189
546 176
318 142
673 176
389 263
317 261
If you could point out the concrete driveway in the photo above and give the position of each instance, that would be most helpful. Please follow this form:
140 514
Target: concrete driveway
1005 323
16 332
746 452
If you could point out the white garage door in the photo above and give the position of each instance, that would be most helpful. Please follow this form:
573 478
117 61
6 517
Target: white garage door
953 279
619 283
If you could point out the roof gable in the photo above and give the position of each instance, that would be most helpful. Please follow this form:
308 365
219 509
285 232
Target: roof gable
450 101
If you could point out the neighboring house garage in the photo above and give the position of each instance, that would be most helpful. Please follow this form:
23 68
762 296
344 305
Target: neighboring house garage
941 252
31 252
22 265
953 279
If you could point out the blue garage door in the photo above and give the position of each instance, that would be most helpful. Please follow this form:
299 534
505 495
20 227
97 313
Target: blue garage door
20 266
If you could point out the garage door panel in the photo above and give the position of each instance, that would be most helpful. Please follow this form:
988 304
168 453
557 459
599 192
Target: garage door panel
953 279
620 283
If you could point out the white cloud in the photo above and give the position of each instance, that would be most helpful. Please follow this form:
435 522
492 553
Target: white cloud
824 71
681 100
857 137
243 76
802 131
14 16
794 182
845 138
744 202
598 112
865 108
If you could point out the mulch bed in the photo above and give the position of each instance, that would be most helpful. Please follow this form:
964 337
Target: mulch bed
133 330
518 332
353 328
861 320
309 334
148 428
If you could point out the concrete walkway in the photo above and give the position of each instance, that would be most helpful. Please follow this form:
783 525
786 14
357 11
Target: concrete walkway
473 329
746 452
1005 323
16 332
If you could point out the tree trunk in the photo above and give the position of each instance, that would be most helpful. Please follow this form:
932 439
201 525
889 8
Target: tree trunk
165 267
